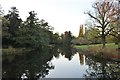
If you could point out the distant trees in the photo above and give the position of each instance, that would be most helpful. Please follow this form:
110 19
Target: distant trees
67 38
56 38
105 14
80 39
81 31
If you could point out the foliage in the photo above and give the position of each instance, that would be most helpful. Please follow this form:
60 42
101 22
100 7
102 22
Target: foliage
67 38
115 32
105 14
110 39
6 36
32 34
10 23
92 35
14 20
56 38
81 31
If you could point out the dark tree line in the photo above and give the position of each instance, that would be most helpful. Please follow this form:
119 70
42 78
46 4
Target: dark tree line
31 33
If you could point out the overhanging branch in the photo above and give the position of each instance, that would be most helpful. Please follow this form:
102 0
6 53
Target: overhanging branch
94 17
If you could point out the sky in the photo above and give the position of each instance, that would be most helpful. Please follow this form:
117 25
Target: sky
63 15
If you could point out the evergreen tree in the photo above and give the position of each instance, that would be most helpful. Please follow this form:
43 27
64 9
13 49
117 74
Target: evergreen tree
14 20
81 31
32 34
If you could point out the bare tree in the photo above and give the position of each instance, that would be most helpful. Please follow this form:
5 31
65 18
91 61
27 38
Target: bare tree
104 15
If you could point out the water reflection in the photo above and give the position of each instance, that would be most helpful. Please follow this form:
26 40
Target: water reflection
46 63
33 64
81 58
68 52
102 69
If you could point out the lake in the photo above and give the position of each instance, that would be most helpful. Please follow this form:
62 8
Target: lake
65 68
58 63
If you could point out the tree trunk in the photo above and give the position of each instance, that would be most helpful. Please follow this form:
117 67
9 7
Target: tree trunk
103 39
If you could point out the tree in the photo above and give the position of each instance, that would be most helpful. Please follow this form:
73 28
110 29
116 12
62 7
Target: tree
80 31
5 35
92 35
10 24
14 20
67 38
106 13
56 38
48 29
45 25
32 34
111 39
115 32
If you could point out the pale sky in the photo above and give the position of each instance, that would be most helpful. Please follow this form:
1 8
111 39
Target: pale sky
63 15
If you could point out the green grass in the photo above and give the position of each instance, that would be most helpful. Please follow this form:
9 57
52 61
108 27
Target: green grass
110 50
85 47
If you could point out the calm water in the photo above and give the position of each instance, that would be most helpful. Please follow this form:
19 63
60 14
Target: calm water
58 63
65 68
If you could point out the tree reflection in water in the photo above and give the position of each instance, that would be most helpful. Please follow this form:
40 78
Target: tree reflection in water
68 51
37 64
102 69
33 64
81 58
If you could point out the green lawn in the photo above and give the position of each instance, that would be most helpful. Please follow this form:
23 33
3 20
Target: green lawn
84 47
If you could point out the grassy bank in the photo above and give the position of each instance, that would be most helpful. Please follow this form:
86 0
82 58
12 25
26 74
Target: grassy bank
86 47
110 51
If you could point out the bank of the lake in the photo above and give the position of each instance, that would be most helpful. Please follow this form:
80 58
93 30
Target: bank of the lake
111 50
85 47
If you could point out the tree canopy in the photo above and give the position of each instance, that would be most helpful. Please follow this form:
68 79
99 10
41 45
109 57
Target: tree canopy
105 14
